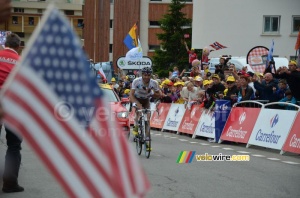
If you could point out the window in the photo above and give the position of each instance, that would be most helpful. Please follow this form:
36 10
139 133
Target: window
154 23
154 47
19 10
15 20
155 0
111 23
271 24
80 23
69 12
30 21
111 1
20 34
296 24
110 48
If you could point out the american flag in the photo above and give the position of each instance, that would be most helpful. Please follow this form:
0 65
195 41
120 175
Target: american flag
50 98
217 46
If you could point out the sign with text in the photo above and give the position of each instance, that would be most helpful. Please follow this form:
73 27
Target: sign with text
292 143
134 64
240 124
272 128
190 120
158 119
206 126
174 117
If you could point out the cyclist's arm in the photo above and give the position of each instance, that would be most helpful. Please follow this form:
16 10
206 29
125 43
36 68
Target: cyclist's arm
133 99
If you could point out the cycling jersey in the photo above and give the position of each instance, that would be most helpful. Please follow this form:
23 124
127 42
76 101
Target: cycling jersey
142 91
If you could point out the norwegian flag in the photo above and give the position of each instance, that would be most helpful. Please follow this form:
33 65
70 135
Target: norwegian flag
53 101
216 45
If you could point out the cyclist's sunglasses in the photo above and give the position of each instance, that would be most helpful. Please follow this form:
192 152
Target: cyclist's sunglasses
146 73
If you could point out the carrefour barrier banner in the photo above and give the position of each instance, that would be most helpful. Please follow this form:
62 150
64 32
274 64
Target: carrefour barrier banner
292 143
222 110
240 124
272 128
190 120
158 119
174 117
206 125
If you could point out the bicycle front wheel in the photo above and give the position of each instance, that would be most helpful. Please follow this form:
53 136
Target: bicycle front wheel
138 144
147 142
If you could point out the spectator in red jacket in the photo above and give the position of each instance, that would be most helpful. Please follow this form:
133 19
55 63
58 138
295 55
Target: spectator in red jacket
8 58
192 54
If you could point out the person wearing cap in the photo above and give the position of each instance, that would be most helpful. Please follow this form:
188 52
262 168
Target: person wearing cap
179 86
217 86
231 92
126 93
192 54
292 76
245 92
266 87
198 82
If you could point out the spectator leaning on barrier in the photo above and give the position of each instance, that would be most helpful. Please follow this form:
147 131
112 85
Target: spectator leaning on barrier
292 77
245 92
289 98
266 87
231 92
282 88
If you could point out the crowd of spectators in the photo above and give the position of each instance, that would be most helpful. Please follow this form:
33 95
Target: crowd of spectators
204 88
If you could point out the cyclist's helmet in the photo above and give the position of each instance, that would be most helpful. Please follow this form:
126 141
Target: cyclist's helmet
147 70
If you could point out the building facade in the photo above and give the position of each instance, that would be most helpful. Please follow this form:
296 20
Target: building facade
241 25
26 16
107 24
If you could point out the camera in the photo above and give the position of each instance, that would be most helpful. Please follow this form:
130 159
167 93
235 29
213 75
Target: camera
208 74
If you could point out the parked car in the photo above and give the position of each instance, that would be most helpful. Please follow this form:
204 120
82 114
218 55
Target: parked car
116 107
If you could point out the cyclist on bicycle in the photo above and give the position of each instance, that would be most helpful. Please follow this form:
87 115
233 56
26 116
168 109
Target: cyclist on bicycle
142 89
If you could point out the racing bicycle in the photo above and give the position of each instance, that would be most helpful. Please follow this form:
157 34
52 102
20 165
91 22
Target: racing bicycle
143 126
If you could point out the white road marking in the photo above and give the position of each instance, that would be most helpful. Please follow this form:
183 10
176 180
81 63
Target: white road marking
157 134
228 149
289 162
243 152
204 144
215 146
193 142
183 140
274 159
256 155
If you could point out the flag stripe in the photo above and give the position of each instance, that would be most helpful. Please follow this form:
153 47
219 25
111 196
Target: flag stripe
69 131
113 161
73 162
41 154
48 148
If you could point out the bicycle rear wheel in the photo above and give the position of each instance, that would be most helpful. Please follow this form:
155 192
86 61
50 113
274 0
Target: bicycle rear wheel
147 142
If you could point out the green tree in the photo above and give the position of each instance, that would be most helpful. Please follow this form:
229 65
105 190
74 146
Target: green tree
172 53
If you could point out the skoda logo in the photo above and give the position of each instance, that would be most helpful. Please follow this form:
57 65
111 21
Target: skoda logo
122 63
